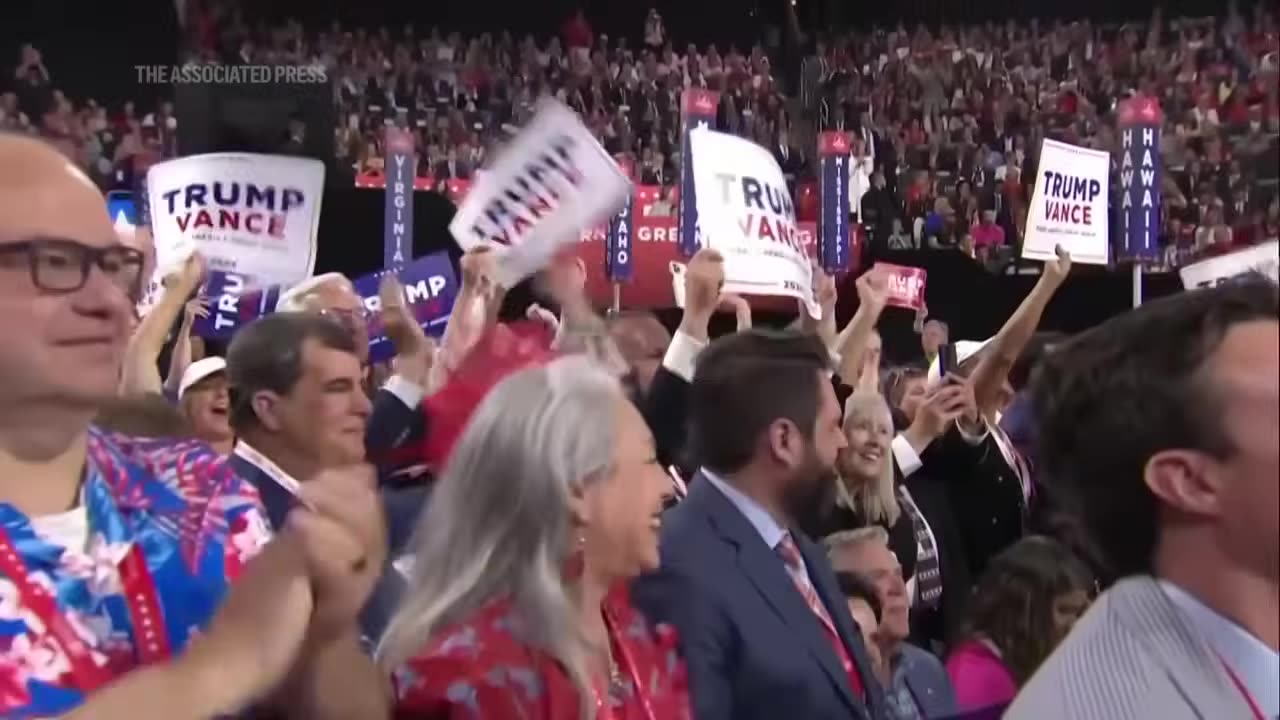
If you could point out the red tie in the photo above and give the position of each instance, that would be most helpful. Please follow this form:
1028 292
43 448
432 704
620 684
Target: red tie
795 567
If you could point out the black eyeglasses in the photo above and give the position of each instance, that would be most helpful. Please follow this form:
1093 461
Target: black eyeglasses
62 266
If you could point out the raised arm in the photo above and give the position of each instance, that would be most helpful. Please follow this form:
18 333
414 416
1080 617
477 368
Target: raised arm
183 350
141 371
1003 350
472 313
852 342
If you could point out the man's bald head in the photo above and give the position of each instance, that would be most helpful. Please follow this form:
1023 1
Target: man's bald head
37 184
64 342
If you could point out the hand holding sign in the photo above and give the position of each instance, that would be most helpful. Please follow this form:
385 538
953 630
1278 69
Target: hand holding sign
703 280
874 289
187 276
1056 270
477 265
746 212
1069 204
903 285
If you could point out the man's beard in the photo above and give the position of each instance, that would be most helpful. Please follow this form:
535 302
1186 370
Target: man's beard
810 492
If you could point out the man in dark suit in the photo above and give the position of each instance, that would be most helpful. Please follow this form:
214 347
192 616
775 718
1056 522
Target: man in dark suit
763 626
298 407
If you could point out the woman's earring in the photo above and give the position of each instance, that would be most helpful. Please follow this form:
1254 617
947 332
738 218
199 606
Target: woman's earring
575 563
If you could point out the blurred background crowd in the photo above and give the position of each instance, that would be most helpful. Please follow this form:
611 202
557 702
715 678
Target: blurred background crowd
946 119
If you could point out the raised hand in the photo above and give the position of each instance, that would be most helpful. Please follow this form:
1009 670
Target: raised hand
477 265
824 289
702 282
197 307
189 276
1056 270
873 289
942 406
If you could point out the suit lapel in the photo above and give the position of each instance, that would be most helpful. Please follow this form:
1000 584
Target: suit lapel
1178 647
766 572
275 499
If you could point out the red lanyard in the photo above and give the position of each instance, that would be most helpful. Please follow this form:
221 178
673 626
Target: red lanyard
627 665
1248 696
151 640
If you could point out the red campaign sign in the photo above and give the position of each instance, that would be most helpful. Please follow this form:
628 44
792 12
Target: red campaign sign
833 143
400 141
905 285
696 101
1140 110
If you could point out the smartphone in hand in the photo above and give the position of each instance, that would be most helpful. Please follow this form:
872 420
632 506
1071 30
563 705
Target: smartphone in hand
947 360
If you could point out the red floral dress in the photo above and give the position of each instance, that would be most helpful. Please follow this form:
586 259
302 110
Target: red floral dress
480 670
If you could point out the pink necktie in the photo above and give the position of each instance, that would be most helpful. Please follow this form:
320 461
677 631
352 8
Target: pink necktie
791 557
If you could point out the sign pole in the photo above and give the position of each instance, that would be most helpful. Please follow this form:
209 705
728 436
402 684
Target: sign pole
1137 283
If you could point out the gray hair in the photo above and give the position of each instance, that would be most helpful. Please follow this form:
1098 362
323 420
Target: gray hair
498 524
266 354
853 538
876 499
295 298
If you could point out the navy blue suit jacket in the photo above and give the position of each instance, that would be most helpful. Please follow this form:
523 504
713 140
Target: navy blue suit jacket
753 647
392 423
402 507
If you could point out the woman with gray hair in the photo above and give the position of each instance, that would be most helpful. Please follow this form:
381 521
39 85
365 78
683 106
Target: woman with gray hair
865 491
549 503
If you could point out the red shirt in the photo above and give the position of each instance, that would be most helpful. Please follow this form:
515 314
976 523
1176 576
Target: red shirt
480 670
577 32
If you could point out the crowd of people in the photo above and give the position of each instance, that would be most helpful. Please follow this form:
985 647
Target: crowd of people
569 516
946 121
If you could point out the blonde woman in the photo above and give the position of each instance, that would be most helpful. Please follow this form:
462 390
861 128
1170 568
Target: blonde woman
865 491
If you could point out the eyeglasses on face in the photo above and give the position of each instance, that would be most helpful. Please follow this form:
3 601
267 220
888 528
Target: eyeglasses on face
60 266
347 317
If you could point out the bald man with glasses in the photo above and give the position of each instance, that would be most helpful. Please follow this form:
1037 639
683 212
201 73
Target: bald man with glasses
143 538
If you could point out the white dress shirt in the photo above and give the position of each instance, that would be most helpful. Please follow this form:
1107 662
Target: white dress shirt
1255 665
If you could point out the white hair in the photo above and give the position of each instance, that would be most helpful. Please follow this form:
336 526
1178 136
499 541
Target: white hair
876 498
295 298
498 525
853 538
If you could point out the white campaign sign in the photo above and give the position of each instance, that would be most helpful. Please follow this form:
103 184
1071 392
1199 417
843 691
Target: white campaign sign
746 213
552 181
1264 259
252 215
1069 205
